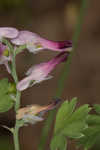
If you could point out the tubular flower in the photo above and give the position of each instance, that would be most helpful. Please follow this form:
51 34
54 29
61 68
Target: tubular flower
34 113
4 56
8 32
36 43
39 73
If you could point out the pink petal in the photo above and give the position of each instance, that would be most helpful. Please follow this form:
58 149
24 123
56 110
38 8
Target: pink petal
24 37
4 60
23 84
29 118
8 32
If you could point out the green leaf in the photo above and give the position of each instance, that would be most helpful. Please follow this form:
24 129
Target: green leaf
93 120
81 113
69 123
74 130
5 99
76 123
58 143
97 108
92 134
64 113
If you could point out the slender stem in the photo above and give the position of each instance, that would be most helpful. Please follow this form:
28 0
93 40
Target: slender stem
17 104
16 138
14 73
64 76
16 129
18 94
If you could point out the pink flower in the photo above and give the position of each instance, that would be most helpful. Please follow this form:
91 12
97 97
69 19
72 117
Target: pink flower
40 72
36 43
6 32
34 113
4 56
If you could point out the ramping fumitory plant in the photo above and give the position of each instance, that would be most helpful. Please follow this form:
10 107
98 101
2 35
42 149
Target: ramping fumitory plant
13 42
71 122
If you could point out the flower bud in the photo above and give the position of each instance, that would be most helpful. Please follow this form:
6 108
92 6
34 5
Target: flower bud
12 88
6 52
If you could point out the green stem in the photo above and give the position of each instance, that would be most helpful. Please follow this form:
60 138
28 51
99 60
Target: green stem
13 53
64 76
18 94
16 129
17 104
14 73
16 138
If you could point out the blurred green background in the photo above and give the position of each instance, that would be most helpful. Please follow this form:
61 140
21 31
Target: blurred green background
55 20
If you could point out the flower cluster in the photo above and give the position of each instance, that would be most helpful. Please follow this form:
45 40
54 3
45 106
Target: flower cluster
34 43
11 41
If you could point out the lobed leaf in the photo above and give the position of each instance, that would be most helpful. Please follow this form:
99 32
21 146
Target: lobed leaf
5 99
69 123
93 120
58 143
97 108
92 133
64 113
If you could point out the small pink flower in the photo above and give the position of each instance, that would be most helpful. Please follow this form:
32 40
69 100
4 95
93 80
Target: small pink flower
34 113
36 43
6 32
40 72
4 56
